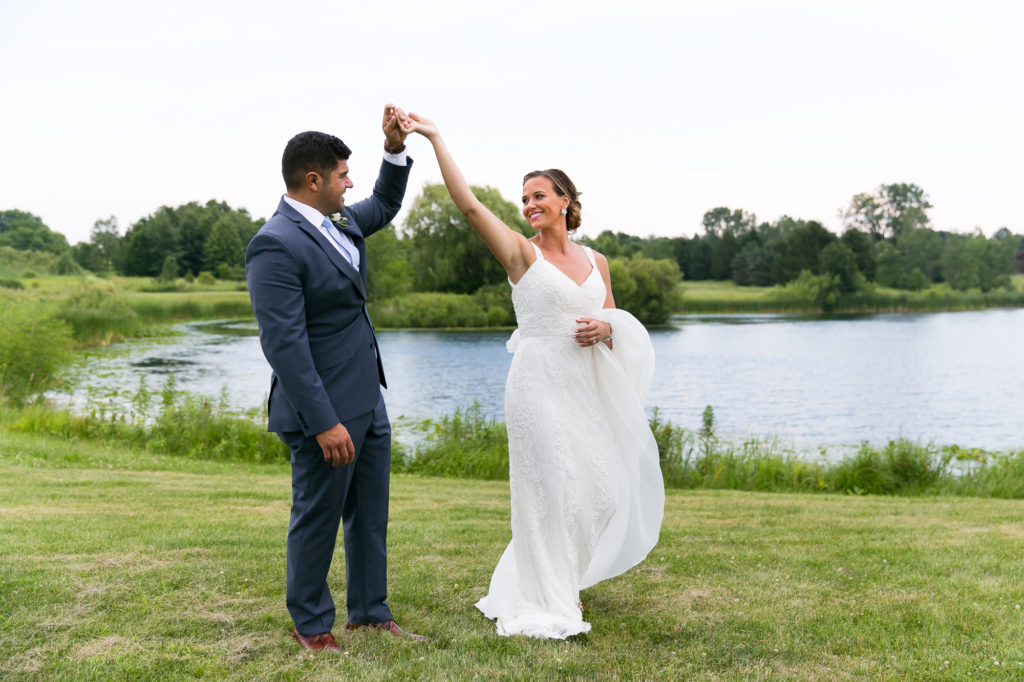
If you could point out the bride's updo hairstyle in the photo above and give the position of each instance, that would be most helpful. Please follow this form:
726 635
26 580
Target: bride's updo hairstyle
563 188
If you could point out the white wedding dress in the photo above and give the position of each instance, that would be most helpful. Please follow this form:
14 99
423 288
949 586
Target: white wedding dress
587 491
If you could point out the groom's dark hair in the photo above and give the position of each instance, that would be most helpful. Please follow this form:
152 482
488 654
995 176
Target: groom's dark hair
311 151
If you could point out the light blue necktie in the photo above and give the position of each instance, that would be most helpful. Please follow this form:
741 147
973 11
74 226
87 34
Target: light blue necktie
329 226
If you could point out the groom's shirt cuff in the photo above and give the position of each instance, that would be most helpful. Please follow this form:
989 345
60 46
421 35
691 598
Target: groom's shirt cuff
398 159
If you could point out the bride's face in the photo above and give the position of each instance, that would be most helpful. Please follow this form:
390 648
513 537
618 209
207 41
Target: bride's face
542 207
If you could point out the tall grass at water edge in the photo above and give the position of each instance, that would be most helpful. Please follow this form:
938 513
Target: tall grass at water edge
176 306
468 444
167 422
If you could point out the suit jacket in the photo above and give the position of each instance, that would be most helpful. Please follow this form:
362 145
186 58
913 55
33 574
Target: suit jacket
310 304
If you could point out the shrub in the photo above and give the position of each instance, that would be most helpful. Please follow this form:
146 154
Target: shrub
98 316
66 265
900 467
810 291
230 272
28 263
496 300
430 309
462 445
183 425
34 348
647 288
169 271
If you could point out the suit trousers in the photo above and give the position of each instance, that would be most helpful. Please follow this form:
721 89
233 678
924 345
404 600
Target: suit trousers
323 496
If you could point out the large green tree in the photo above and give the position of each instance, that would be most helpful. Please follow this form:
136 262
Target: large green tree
800 246
973 262
445 253
106 237
185 232
889 264
922 250
387 261
752 266
839 260
223 246
27 232
888 210
149 242
728 231
863 250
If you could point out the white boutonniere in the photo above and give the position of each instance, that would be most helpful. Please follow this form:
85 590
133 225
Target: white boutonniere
339 219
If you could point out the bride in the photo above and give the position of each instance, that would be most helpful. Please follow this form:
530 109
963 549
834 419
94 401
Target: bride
586 486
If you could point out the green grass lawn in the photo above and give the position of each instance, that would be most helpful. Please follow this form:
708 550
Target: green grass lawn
117 564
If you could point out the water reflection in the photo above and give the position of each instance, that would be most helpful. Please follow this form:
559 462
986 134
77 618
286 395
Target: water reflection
946 377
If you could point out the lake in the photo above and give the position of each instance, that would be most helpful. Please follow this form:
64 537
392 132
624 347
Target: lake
941 377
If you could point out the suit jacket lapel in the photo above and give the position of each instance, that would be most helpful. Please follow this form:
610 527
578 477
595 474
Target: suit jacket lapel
329 249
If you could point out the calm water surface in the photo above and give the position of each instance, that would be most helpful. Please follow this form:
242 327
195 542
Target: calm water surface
942 377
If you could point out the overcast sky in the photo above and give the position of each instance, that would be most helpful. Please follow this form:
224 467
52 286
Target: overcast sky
659 111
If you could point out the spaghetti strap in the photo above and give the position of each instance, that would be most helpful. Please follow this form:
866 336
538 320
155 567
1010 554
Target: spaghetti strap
590 255
540 257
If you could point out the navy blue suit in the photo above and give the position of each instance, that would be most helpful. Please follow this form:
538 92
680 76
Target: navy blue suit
310 304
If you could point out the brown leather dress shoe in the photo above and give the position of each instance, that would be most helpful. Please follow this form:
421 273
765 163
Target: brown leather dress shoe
319 642
390 627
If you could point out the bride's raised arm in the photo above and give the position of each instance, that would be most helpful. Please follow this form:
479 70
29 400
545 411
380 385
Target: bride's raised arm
511 248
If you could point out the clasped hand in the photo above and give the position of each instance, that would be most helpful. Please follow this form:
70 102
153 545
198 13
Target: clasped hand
394 133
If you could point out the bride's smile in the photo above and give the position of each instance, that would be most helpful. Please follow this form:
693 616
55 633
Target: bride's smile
542 207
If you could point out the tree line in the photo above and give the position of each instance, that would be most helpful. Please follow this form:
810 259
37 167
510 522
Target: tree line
888 240
171 242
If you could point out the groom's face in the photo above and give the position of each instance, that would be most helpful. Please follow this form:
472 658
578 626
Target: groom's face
332 196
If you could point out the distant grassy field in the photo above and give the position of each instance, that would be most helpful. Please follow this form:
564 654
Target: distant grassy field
726 297
119 564
713 296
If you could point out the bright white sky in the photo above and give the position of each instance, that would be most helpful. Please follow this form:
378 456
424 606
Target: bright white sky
658 110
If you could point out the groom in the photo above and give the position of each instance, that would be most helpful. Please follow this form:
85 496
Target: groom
307 285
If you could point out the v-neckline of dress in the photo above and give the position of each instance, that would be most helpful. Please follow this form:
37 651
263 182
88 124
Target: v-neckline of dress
579 285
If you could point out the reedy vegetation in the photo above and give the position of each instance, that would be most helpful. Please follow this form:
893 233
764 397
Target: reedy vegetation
468 444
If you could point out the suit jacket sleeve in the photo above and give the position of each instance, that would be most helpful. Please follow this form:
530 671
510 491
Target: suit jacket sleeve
374 212
274 278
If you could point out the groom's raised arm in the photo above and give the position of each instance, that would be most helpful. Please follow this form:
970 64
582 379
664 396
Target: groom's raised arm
379 209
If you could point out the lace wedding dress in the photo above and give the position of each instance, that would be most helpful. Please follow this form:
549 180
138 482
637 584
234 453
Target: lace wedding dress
587 491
